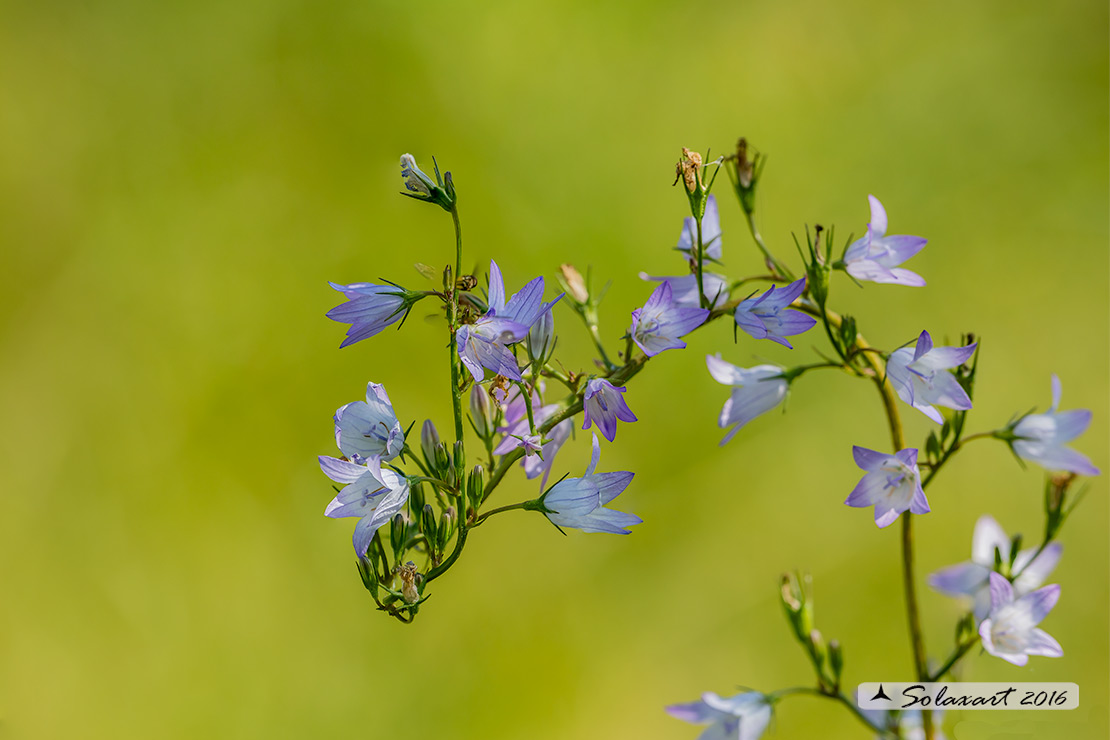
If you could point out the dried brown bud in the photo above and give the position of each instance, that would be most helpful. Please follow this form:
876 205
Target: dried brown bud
409 579
689 169
744 166
572 280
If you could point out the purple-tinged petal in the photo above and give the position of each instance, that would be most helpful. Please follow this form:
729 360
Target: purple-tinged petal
943 358
902 276
877 227
341 471
610 485
1001 592
1070 424
885 515
1039 603
1042 643
496 289
869 460
948 392
695 712
901 247
919 504
1036 572
1057 390
924 346
750 323
965 579
724 372
1055 458
868 492
785 296
595 456
987 537
908 456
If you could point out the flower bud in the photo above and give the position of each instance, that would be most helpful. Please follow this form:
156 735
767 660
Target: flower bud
442 460
836 660
368 573
421 187
428 523
460 464
410 579
446 524
475 486
482 412
429 438
745 167
397 535
819 650
541 338
573 284
416 499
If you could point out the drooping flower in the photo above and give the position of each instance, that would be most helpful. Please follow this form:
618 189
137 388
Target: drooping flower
684 288
365 429
516 426
580 502
370 308
972 579
892 484
484 344
768 316
1042 437
373 494
920 376
755 390
1010 630
604 405
741 717
710 232
876 256
659 324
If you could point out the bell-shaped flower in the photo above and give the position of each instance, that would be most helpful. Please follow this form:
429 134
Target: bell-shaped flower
892 484
370 493
604 405
1010 630
741 717
972 578
484 344
516 427
370 308
659 324
684 288
768 316
710 233
920 376
876 256
1041 438
755 390
365 429
580 502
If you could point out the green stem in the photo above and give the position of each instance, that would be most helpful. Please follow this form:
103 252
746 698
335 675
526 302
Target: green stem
959 443
702 300
498 510
778 271
596 336
840 697
954 658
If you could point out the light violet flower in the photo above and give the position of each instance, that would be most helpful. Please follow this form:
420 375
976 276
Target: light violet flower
580 502
892 484
710 232
684 288
369 429
876 256
920 376
741 717
484 344
659 324
755 390
1010 630
971 578
768 316
369 309
604 405
516 426
373 494
1042 437
416 182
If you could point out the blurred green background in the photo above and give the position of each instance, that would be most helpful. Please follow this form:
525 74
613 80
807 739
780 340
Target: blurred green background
178 181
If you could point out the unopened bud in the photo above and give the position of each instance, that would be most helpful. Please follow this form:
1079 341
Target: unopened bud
818 643
475 486
442 460
397 534
482 412
367 573
573 283
410 579
836 660
429 438
416 499
428 523
541 337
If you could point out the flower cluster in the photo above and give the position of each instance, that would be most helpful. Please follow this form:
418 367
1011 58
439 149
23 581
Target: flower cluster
523 403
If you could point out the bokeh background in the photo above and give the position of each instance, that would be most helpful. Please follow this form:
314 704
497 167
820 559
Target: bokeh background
178 181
